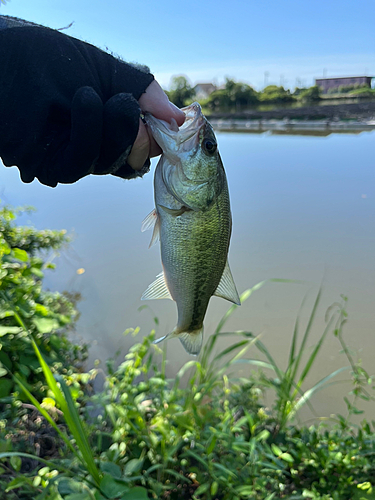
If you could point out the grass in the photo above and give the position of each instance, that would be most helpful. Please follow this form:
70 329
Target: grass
212 439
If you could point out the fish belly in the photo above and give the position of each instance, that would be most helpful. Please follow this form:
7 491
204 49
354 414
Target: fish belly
194 248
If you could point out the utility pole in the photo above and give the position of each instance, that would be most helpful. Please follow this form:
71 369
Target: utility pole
266 75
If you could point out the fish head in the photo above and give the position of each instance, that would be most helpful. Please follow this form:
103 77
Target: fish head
192 169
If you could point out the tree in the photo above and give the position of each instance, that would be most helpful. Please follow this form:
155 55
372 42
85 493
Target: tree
311 94
275 94
235 95
181 92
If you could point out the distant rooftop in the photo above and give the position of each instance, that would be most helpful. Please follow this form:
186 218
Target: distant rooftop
342 77
327 84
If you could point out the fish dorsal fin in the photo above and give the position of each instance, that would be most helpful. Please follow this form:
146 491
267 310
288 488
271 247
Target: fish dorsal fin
227 289
157 290
152 221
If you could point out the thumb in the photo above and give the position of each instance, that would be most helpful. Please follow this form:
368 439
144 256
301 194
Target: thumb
155 101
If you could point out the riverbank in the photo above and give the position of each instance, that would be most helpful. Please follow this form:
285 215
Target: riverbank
313 119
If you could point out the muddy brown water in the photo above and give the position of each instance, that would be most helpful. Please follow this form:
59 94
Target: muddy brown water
303 209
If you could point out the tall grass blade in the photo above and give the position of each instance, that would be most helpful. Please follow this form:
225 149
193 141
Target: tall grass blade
318 386
244 296
66 404
314 353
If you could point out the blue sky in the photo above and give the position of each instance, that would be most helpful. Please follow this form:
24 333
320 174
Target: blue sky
252 41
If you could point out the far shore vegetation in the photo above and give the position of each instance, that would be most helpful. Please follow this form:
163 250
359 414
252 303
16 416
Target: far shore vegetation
237 96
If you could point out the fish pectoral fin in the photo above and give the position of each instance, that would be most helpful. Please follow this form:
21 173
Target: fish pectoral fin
149 221
227 289
157 290
175 211
152 221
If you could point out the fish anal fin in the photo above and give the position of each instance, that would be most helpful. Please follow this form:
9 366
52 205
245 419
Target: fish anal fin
227 289
157 290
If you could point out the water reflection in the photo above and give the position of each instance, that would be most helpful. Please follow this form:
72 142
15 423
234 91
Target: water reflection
303 208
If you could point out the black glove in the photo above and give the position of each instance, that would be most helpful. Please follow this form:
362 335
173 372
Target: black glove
67 109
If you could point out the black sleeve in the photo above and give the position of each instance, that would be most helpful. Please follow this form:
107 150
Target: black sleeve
67 108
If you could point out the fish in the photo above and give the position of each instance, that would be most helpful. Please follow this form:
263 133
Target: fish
192 220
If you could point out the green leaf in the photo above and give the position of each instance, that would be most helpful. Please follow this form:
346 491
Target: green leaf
276 450
20 254
112 488
287 457
6 386
79 496
5 360
37 272
45 325
111 468
17 482
4 330
134 465
201 489
224 469
245 491
214 488
137 493
16 462
66 486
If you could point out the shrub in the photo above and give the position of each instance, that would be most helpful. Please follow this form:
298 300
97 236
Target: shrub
50 315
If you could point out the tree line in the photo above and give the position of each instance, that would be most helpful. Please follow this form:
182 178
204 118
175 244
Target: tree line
237 95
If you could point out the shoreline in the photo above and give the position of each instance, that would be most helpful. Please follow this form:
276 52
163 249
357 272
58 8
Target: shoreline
308 120
293 127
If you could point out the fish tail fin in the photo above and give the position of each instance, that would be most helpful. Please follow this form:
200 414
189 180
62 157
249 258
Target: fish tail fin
192 341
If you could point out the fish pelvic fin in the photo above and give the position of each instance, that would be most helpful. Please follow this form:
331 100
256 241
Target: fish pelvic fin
192 341
157 290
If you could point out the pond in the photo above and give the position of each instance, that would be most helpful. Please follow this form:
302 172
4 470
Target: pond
303 209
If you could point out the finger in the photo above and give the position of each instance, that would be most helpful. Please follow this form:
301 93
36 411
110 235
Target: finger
155 101
141 148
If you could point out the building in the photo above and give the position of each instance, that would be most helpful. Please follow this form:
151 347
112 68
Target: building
331 83
203 90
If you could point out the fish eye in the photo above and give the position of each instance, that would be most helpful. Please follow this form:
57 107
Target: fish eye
209 146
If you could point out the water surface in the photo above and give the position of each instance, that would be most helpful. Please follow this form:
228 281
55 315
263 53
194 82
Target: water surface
303 208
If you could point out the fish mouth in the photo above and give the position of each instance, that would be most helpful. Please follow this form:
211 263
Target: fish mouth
171 137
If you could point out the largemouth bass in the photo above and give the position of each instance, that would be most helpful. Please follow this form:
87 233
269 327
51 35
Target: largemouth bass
192 220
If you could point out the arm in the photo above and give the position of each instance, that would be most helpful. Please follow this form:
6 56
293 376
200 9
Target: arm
68 109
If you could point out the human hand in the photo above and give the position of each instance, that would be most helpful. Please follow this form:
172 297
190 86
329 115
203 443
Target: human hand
156 102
